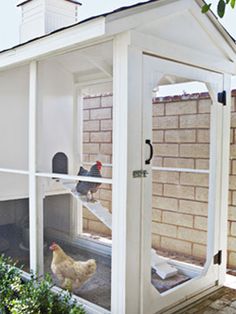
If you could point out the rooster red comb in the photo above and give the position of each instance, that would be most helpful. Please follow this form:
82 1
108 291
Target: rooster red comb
99 164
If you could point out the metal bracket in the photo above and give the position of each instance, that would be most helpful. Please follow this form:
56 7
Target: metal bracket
222 98
218 258
140 173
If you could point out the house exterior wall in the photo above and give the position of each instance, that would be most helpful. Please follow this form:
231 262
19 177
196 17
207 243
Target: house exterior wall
180 200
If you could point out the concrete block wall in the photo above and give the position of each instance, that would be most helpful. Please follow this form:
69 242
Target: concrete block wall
180 199
97 145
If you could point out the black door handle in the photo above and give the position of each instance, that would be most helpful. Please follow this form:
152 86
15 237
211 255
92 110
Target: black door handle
148 161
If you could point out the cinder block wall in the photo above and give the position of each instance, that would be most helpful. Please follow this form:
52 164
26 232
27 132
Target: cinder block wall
180 199
97 145
181 140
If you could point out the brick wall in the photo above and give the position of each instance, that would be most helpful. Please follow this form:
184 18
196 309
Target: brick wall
181 139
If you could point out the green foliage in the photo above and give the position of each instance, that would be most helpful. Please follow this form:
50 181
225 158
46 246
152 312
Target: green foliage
206 7
221 7
232 3
33 296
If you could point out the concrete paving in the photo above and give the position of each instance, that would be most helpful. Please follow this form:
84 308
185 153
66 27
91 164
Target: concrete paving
222 301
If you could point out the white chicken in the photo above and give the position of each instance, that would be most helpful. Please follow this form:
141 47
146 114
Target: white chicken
71 274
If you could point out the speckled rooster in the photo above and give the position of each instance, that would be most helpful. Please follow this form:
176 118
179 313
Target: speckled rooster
89 188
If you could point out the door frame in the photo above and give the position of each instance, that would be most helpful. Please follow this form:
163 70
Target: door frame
153 70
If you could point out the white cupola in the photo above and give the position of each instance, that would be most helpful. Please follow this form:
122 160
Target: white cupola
40 17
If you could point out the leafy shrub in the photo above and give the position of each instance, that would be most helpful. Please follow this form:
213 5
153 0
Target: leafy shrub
31 297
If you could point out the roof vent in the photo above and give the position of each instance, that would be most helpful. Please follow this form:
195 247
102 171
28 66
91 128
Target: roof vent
41 17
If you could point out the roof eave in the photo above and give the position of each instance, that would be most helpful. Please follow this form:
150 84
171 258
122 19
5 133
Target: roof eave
214 19
26 1
58 42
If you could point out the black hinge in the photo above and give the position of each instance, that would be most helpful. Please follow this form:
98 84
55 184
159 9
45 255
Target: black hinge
222 98
218 258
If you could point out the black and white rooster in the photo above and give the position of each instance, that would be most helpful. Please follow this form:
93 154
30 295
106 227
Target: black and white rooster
89 188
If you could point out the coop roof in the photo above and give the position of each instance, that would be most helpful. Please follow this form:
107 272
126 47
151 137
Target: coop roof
20 3
179 23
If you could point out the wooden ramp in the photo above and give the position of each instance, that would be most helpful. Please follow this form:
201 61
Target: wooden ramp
96 208
159 265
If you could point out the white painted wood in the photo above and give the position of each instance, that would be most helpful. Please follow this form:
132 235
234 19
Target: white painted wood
225 150
96 208
40 17
92 163
162 168
6 170
166 49
75 178
32 168
215 30
126 196
102 28
214 196
77 210
99 64
59 42
55 115
40 195
124 21
168 169
150 79
93 82
154 69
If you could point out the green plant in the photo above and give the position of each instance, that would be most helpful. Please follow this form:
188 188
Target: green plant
221 6
33 296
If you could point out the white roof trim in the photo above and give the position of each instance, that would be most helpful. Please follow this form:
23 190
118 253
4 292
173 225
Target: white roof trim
104 27
59 41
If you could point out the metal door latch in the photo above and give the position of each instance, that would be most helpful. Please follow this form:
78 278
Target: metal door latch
140 173
218 258
222 98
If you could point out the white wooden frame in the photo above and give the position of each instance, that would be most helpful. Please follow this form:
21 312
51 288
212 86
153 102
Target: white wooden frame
153 301
129 217
77 215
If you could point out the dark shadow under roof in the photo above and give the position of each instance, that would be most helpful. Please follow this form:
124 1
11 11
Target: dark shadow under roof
123 8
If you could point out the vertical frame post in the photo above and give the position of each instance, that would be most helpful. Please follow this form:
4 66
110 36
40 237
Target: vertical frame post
126 192
77 208
214 197
35 195
225 150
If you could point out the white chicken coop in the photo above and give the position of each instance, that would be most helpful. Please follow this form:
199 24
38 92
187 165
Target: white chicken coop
128 52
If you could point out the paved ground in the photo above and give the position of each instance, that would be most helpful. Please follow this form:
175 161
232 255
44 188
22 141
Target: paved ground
221 301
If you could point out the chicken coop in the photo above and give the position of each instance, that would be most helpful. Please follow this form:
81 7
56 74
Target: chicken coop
54 121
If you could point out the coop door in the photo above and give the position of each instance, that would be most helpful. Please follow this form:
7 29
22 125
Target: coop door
181 190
